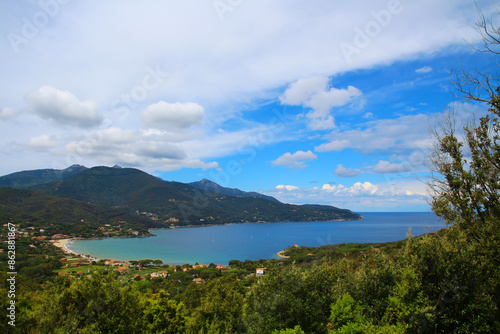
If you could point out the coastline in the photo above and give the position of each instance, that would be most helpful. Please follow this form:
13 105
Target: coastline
63 245
281 255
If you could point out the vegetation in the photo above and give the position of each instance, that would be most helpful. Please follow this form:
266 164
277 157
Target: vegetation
28 179
174 203
444 282
46 215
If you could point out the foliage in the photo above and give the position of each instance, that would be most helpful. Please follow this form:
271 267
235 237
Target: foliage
220 307
135 191
163 316
290 297
64 216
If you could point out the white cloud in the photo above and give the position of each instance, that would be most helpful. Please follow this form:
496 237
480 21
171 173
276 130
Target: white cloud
63 107
295 160
314 93
402 194
346 172
42 142
356 189
402 134
302 90
129 147
334 145
387 167
287 187
324 100
425 69
172 116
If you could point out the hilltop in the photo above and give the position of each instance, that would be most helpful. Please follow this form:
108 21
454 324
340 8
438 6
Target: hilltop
30 178
173 203
51 215
208 185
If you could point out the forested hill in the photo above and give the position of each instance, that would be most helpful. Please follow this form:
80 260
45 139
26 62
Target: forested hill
208 185
67 216
179 203
31 178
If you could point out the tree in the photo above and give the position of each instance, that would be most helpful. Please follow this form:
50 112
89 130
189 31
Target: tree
97 304
220 307
163 315
466 166
466 193
291 297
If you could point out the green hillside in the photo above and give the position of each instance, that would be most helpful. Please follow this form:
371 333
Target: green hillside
178 203
31 178
207 185
66 216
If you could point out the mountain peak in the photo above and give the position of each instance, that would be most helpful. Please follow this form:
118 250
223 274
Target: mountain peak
206 184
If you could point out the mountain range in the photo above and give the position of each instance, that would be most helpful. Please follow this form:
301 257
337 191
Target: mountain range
164 203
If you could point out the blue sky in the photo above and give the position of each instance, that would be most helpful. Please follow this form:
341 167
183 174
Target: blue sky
320 102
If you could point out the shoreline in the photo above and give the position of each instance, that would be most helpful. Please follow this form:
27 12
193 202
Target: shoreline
64 244
281 255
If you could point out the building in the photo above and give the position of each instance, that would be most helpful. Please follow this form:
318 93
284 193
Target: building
160 274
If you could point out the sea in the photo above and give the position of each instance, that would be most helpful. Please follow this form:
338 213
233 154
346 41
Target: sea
219 244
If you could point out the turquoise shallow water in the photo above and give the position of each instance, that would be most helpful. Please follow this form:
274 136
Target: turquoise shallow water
222 243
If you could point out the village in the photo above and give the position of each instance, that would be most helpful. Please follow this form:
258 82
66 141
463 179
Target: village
79 265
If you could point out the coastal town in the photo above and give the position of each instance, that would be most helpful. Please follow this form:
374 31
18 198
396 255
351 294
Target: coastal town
77 265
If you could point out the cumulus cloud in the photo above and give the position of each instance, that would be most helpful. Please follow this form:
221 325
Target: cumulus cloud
346 172
360 196
128 147
356 189
63 107
287 187
384 167
172 116
295 160
315 94
425 69
302 90
323 101
42 142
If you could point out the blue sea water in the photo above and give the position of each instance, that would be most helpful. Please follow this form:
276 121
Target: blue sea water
221 243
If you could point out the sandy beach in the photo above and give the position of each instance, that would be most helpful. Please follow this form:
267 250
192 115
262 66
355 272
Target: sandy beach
62 244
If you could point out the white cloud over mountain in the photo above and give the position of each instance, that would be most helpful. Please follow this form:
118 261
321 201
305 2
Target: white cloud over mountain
295 160
172 116
63 107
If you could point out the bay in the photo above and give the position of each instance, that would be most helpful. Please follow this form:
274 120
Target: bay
221 243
